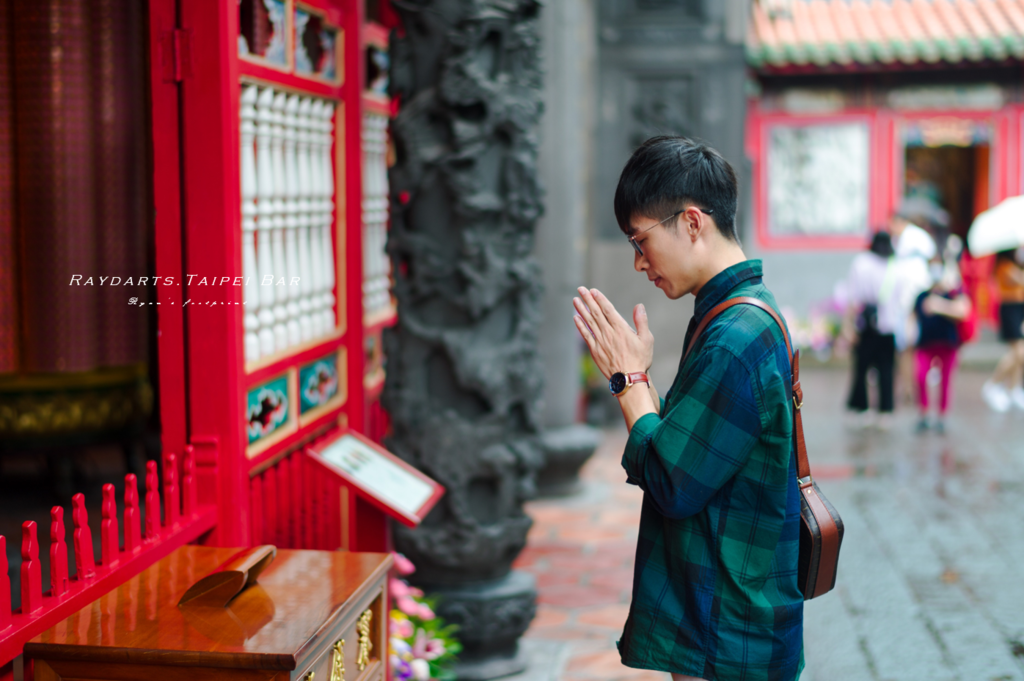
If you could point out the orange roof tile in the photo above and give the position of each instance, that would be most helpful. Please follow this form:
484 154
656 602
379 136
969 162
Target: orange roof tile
847 34
938 32
872 34
806 32
837 31
924 46
1014 14
1002 27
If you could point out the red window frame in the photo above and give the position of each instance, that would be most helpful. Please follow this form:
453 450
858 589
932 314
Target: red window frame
759 124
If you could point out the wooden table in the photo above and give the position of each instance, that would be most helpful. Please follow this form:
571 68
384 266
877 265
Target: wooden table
312 615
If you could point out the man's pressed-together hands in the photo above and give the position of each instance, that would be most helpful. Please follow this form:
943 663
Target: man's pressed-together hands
616 347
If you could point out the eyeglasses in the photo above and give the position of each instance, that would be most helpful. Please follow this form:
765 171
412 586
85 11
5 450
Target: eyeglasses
636 246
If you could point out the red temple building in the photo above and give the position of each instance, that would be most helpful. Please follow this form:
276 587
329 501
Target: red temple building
858 104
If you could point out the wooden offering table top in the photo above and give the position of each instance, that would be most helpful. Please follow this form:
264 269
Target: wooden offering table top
319 614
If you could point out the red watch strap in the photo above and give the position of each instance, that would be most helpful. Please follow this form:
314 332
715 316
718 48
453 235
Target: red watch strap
638 377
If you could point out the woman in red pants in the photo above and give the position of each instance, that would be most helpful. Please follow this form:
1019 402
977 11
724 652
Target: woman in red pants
938 312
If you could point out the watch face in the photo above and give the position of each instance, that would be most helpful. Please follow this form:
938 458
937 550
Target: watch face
617 383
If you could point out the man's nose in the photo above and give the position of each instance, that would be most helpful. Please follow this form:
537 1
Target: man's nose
639 262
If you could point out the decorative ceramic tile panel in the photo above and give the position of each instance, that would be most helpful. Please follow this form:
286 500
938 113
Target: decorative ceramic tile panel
318 383
267 408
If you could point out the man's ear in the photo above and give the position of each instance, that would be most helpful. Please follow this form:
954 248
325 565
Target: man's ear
695 224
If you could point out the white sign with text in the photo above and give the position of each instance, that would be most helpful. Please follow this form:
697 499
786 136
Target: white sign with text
378 475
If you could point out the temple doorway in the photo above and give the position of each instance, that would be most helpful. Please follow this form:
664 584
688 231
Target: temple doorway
947 163
954 178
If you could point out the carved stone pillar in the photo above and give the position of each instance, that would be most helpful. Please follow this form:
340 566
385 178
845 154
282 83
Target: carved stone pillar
464 378
565 164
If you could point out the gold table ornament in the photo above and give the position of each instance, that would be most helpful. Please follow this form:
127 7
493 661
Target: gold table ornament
338 661
365 644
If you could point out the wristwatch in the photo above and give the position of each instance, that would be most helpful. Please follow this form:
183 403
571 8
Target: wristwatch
620 382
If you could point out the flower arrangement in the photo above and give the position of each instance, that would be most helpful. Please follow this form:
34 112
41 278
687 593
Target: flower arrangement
423 647
819 331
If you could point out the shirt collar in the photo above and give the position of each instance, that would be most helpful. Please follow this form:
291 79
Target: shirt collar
718 287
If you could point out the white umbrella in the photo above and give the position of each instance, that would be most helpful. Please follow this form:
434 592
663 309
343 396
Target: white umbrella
1000 228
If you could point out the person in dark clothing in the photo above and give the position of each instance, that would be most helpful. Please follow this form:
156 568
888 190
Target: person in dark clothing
870 323
938 312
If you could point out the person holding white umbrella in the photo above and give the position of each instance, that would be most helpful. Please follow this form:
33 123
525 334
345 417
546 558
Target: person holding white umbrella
1000 230
1004 388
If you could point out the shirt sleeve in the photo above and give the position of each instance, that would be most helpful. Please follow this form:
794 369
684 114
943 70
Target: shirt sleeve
682 458
919 304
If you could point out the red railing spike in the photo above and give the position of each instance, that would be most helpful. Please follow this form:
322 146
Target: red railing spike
31 572
188 482
171 490
58 553
5 587
152 502
109 549
132 523
85 558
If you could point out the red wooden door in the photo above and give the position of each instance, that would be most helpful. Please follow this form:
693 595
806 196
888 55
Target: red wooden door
256 117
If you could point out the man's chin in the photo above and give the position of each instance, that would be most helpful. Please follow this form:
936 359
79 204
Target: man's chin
668 289
673 293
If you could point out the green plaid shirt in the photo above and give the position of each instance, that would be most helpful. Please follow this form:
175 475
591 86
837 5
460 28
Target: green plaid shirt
715 590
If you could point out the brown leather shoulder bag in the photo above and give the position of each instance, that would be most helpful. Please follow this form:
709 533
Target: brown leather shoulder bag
821 528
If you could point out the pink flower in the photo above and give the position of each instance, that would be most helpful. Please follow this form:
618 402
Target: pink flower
424 612
426 647
404 565
399 589
408 606
401 628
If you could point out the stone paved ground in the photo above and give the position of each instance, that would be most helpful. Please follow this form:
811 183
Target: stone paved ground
931 583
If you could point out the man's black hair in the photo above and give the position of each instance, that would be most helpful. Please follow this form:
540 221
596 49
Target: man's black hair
668 174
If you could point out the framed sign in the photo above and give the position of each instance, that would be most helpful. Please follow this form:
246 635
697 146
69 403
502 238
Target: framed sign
387 482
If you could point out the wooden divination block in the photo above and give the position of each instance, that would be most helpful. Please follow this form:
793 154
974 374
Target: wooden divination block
309 616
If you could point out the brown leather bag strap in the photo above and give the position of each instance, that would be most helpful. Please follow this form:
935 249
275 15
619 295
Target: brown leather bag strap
725 305
803 466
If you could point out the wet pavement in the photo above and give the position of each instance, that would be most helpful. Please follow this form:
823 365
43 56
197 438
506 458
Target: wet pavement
931 575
